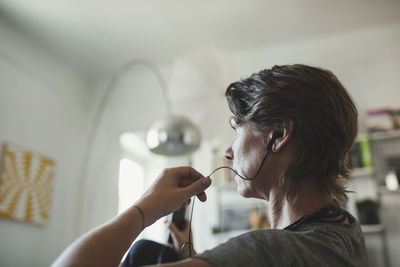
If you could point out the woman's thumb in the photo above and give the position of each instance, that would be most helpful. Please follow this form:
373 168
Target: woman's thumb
198 186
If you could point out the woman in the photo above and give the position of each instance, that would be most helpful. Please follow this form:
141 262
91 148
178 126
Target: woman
307 120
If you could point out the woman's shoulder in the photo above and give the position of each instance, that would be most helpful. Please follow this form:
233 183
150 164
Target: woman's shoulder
311 244
313 233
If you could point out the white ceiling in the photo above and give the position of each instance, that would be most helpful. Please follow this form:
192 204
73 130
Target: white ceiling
97 36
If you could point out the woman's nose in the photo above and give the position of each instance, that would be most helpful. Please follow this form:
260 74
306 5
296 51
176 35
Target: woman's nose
228 153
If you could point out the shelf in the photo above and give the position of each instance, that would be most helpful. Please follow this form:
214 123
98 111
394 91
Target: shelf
384 135
383 190
373 228
361 172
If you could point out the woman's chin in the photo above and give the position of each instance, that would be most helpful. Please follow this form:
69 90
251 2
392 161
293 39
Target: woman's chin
243 190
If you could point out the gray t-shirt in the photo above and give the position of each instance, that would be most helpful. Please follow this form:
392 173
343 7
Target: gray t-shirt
312 244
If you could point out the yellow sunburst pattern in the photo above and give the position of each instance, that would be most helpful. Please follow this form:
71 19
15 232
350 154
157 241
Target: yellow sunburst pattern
25 184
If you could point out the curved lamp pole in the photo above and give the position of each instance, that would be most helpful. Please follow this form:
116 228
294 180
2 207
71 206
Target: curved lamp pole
170 136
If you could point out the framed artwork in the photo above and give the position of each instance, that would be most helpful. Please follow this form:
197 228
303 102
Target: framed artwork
26 182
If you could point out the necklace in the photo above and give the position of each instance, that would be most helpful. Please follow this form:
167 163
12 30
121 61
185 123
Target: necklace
330 211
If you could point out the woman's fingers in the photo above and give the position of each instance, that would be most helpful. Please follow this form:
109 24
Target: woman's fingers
187 175
174 188
173 228
187 202
198 188
181 235
193 182
176 235
202 196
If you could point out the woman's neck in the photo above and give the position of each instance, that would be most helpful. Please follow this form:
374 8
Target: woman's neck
285 211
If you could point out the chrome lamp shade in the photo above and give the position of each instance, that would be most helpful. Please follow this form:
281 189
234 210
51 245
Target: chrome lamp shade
173 136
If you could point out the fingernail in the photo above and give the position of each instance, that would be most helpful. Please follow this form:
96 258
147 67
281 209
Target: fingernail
206 181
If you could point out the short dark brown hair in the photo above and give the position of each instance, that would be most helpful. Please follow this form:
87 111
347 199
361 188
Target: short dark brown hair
323 114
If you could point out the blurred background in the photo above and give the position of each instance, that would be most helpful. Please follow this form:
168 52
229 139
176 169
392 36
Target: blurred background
56 61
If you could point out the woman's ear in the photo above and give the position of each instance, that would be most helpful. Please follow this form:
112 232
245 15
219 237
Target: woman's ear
281 136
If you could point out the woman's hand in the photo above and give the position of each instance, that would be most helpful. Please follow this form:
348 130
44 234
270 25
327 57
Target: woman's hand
180 237
105 245
171 191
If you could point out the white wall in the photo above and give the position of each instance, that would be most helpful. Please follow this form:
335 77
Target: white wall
135 102
42 107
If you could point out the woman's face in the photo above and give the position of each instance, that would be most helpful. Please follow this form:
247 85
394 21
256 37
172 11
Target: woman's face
245 155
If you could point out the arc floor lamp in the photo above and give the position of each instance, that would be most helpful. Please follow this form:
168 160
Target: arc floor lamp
171 135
